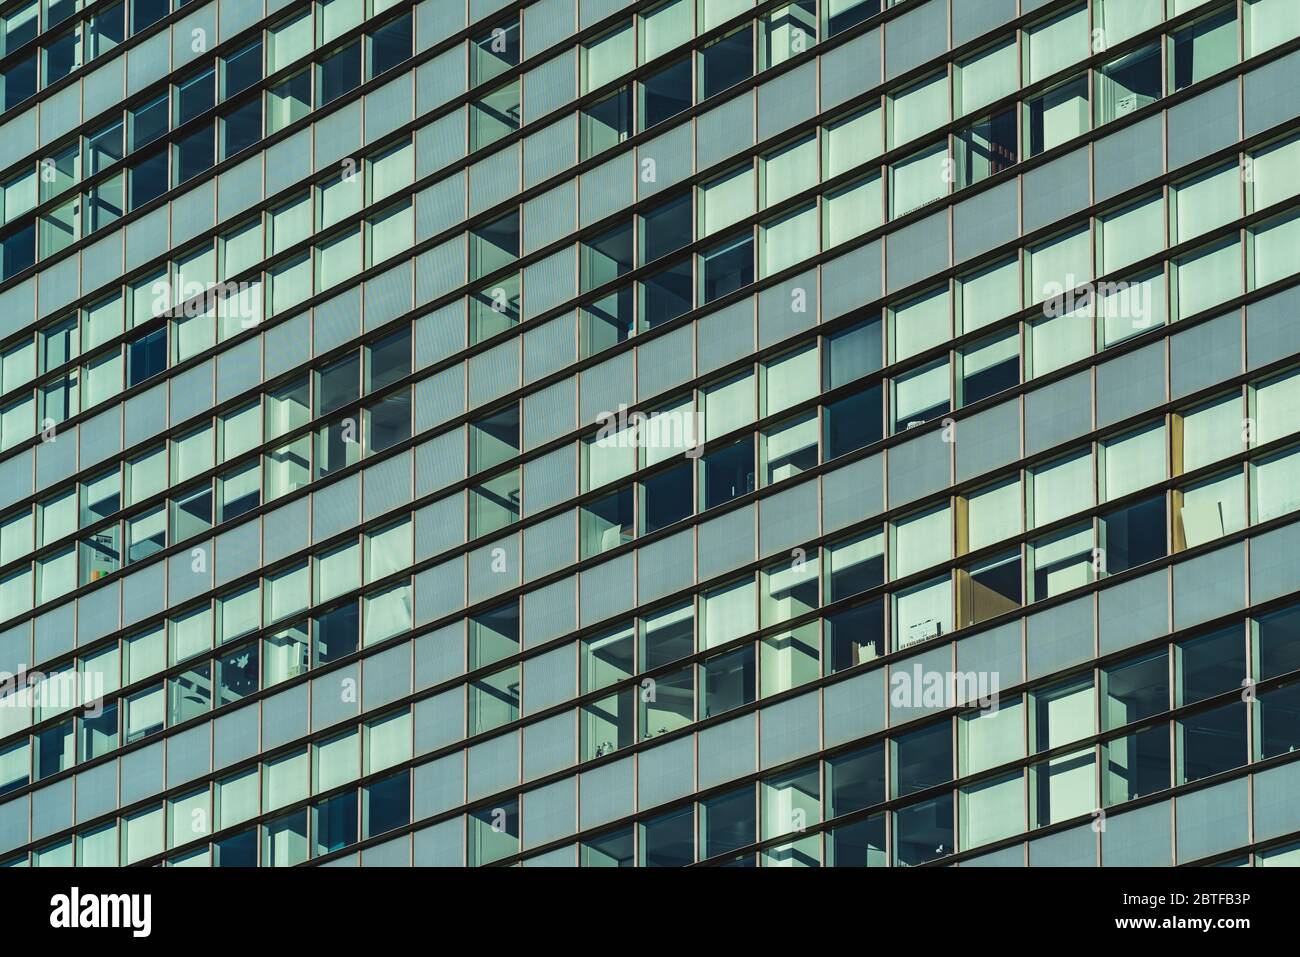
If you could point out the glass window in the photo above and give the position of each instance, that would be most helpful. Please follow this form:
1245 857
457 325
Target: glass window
1061 713
1132 461
387 612
922 759
238 799
725 62
988 294
338 383
1132 233
728 612
387 741
1133 535
287 408
791 802
667 636
726 200
921 323
288 101
1208 277
666 27
288 40
1128 83
339 198
19 26
142 834
239 490
727 681
494 700
1060 562
195 95
1274 402
788 448
987 76
788 239
242 246
988 738
60 172
148 121
192 454
144 713
992 809
1203 48
852 210
605 123
237 674
787 170
919 180
389 233
853 422
146 475
786 32
338 73
727 822
608 57
337 571
239 612
1061 487
839 15
241 69
1056 43
1205 202
728 405
1127 308
988 367
855 780
666 228
1211 742
851 140
19 193
1269 23
986 148
988 588
1210 432
992 514
1209 509
336 632
606 522
1059 265
923 612
1120 19
1209 664
666 93
1275 250
285 654
855 635
390 171
789 590
789 379
103 149
1060 339
921 395
921 540
1058 115
241 430
1275 485
917 110
390 44
338 259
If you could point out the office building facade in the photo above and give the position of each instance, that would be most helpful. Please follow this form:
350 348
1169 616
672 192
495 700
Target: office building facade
612 433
